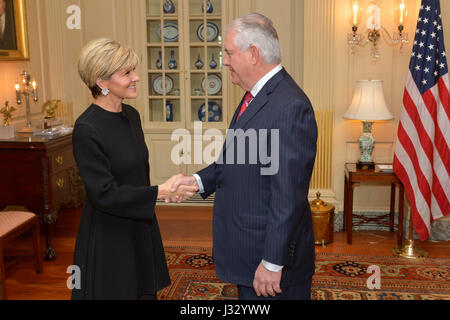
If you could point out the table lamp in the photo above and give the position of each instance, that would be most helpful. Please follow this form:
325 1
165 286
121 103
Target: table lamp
368 105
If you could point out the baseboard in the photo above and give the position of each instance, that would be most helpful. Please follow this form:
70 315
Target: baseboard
196 200
440 229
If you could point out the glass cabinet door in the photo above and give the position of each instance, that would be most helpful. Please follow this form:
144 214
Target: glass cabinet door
205 63
185 72
164 65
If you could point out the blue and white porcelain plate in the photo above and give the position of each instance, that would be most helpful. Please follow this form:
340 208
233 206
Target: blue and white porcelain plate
214 112
212 31
170 32
157 84
214 84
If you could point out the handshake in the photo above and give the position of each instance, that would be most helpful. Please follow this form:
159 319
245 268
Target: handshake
178 188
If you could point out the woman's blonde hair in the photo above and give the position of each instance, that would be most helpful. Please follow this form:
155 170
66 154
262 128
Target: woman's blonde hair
101 58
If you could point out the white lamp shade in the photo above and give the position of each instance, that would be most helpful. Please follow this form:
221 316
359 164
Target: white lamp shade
368 102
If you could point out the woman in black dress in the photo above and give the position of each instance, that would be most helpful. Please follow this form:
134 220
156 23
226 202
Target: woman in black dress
118 249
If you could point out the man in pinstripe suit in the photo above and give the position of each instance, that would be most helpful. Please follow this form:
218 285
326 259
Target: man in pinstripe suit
262 228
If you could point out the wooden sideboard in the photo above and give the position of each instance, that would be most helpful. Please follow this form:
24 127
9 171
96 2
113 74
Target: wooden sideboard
41 175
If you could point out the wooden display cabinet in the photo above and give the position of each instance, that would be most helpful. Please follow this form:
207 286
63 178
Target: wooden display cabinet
178 95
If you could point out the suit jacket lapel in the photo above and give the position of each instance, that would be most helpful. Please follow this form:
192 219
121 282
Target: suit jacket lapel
257 103
260 100
233 124
236 112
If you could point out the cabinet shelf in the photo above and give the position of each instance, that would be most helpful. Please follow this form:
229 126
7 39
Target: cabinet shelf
159 97
206 71
206 44
162 44
204 97
208 16
168 17
166 71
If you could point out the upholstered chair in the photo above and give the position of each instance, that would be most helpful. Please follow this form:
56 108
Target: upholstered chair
12 225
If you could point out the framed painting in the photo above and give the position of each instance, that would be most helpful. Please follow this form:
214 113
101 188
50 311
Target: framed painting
13 30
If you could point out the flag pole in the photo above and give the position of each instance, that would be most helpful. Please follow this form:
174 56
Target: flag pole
409 250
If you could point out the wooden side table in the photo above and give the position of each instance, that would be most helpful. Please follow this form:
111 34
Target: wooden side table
354 177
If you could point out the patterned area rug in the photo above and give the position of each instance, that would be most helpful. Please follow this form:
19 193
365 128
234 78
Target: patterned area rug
337 277
345 277
193 277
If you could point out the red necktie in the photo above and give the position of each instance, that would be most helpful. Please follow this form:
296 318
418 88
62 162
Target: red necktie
247 99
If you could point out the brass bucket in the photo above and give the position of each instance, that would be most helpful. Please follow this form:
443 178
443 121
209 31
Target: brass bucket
323 221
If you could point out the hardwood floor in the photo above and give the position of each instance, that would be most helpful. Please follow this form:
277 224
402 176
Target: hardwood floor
180 226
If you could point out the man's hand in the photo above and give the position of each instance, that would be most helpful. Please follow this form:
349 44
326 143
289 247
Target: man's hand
181 192
266 282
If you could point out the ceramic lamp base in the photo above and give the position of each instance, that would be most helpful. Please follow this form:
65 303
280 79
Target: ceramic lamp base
366 144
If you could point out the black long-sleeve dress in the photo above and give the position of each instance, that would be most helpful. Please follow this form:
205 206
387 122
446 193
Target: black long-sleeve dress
118 248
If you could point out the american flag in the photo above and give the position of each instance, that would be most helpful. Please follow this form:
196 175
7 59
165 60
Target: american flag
422 156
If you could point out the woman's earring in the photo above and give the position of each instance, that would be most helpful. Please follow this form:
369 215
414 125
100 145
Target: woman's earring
105 92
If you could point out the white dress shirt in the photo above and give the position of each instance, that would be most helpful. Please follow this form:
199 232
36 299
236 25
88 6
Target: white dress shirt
254 91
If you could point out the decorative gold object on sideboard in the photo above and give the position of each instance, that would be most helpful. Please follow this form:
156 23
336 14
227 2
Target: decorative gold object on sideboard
323 220
7 130
49 108
7 111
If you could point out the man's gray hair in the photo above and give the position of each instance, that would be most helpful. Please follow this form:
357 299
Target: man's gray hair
256 29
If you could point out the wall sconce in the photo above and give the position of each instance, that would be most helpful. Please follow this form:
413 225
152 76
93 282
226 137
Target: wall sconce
374 27
25 88
368 105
